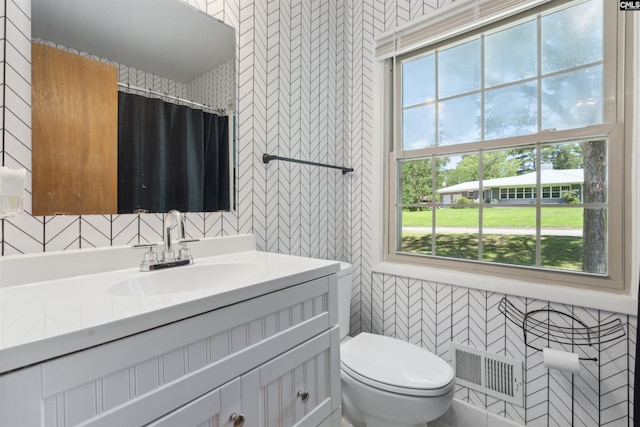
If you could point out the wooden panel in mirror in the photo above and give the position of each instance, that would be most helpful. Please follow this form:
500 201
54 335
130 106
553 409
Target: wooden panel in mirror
75 133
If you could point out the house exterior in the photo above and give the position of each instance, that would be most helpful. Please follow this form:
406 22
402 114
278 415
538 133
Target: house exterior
519 189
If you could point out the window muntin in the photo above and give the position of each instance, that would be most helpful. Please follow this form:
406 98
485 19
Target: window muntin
502 127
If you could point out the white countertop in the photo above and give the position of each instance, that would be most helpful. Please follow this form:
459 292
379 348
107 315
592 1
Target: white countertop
46 319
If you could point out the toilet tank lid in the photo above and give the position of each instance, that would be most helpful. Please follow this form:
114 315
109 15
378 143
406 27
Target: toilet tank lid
345 268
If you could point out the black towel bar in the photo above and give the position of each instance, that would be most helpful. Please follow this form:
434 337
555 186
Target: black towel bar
266 158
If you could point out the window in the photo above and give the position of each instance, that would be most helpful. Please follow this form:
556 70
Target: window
519 113
529 193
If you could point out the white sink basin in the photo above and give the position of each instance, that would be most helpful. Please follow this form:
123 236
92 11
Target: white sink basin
186 279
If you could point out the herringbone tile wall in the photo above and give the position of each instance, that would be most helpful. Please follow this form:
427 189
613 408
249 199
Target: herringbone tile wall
305 89
433 314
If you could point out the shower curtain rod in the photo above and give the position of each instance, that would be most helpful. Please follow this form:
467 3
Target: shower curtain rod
175 98
266 158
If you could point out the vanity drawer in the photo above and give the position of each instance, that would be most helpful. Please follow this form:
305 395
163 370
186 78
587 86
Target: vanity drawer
134 380
214 408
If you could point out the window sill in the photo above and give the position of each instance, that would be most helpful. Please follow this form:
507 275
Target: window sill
600 300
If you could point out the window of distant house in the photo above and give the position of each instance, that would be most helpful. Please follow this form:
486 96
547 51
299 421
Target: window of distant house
514 133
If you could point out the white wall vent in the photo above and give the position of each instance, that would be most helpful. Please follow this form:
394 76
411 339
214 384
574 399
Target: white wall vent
495 375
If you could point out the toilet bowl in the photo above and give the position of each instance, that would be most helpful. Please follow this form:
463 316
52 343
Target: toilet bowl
386 381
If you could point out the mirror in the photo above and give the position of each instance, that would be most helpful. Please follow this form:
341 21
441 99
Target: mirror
163 49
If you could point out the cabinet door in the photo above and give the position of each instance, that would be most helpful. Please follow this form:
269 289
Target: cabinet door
300 387
220 407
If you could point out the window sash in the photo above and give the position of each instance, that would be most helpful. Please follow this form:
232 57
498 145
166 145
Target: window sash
610 78
612 129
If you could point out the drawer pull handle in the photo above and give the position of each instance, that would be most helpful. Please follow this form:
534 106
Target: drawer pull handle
304 395
238 419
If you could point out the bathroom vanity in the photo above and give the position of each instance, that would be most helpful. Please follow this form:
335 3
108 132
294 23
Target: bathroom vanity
239 338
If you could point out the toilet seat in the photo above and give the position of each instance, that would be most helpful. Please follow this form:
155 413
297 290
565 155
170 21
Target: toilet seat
395 366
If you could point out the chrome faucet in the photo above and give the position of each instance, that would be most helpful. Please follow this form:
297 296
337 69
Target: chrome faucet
169 258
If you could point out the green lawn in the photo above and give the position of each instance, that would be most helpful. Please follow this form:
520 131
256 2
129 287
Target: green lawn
551 217
558 252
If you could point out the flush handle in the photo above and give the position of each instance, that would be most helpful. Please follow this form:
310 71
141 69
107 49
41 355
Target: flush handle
303 395
238 419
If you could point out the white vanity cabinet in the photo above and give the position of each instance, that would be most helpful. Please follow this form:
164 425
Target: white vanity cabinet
250 359
294 389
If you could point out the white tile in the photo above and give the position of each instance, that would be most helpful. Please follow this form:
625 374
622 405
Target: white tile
19 15
213 224
125 229
62 232
20 51
19 127
429 316
18 155
194 228
23 234
461 414
151 228
95 231
494 420
15 103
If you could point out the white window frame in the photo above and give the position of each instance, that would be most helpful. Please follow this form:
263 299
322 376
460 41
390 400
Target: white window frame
620 252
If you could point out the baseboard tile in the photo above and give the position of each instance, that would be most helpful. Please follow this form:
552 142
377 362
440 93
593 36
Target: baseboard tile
463 414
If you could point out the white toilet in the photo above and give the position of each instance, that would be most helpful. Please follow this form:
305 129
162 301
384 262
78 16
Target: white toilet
387 382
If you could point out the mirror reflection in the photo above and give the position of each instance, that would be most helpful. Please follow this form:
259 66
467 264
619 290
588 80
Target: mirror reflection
164 140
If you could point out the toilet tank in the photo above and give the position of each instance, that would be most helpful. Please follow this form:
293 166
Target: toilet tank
344 298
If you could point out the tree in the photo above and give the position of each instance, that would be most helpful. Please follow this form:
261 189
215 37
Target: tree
525 158
416 181
495 164
561 156
498 164
595 220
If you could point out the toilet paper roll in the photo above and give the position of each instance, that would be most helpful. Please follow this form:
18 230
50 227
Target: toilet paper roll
561 360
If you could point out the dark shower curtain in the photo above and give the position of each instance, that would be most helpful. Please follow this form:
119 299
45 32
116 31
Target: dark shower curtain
171 157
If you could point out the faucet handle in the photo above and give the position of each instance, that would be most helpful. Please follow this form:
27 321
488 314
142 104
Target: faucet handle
183 242
148 246
185 252
150 256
